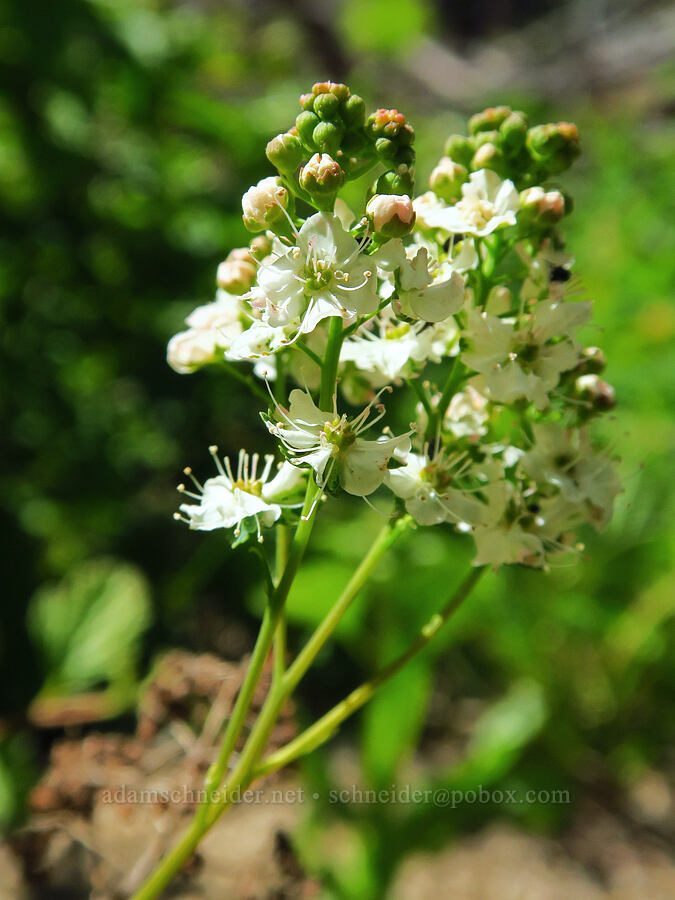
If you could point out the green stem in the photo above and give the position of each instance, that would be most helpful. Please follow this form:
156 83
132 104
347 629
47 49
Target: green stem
422 394
301 345
326 726
330 364
391 532
283 548
271 617
248 380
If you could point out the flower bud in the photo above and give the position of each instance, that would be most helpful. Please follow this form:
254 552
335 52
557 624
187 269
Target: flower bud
513 131
307 101
326 137
306 122
354 112
488 156
447 179
391 215
326 106
263 204
489 119
395 182
598 394
321 176
592 361
286 152
236 274
460 149
260 246
556 146
541 207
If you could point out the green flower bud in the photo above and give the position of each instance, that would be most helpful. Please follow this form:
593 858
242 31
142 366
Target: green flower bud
487 137
489 157
513 131
341 91
541 207
460 148
286 152
327 137
326 106
307 101
385 148
306 122
321 176
354 112
556 146
489 119
260 246
263 204
447 179
391 215
395 182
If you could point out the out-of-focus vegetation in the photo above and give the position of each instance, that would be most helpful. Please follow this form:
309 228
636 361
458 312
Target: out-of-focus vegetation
128 132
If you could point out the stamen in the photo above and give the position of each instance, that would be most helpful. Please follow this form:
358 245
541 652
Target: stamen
188 471
213 450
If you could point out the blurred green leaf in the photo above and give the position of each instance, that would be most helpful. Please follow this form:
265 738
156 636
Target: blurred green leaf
88 627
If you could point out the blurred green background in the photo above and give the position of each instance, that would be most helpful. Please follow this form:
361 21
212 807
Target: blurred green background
128 132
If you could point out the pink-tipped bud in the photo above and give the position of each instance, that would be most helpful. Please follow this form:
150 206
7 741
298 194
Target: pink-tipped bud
391 215
542 207
263 204
321 176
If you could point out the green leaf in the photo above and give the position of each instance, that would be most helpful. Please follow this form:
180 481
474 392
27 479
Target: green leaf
88 627
502 733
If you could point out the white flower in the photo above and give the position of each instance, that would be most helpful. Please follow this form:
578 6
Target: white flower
330 444
564 458
213 327
257 341
227 501
487 203
467 413
324 275
517 357
538 283
435 490
426 289
505 536
385 346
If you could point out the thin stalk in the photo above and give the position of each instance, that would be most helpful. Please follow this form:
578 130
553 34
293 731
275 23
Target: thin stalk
248 380
330 363
326 726
271 618
283 549
391 532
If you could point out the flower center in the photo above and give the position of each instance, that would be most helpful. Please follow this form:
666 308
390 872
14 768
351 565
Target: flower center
526 353
339 433
437 476
318 273
477 212
397 331
251 487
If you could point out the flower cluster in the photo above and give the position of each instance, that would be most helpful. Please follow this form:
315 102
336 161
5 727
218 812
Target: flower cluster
463 296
